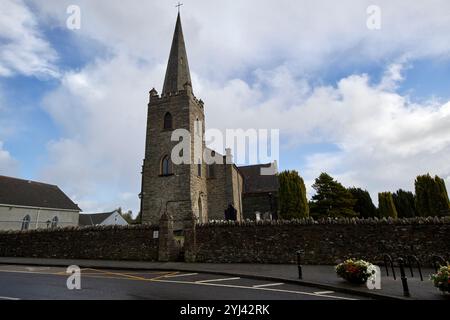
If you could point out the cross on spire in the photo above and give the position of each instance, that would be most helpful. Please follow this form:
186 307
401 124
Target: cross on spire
177 74
178 6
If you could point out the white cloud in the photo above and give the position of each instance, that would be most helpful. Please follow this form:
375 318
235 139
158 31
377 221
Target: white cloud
8 166
225 39
23 49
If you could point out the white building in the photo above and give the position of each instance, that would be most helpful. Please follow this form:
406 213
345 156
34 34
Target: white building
28 205
102 219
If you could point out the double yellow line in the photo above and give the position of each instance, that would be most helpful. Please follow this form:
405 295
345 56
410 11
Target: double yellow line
99 272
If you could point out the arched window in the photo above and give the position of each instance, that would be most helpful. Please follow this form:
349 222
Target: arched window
26 222
54 222
199 169
166 168
168 121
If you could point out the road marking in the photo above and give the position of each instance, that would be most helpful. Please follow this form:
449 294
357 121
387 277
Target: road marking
323 292
98 275
253 288
8 298
30 272
180 275
119 274
267 285
214 280
37 268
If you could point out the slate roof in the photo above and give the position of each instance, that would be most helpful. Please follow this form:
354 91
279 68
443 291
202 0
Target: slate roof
254 182
92 219
18 192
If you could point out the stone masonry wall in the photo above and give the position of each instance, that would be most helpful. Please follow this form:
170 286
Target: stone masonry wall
324 242
109 243
217 202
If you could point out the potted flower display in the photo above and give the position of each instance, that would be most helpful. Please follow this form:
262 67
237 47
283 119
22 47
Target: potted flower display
441 279
355 271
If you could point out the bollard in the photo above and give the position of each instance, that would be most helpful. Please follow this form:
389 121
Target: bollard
299 264
403 277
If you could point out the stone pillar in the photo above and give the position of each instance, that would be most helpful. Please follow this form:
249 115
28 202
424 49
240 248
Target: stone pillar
190 239
166 238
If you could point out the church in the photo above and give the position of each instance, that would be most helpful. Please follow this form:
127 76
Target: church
206 190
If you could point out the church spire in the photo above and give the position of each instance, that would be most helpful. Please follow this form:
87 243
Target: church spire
177 73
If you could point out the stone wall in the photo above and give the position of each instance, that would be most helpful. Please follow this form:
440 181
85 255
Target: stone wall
237 186
217 202
109 243
324 242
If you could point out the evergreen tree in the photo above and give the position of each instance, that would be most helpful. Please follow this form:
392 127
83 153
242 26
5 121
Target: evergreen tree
386 205
364 205
442 201
431 196
404 203
292 200
332 199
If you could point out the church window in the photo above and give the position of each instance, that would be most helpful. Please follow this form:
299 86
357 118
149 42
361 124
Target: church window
165 166
54 222
199 169
168 121
26 222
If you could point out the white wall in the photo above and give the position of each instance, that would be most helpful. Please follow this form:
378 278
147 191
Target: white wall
11 217
115 219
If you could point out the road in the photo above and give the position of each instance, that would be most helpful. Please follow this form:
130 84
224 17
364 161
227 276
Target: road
50 283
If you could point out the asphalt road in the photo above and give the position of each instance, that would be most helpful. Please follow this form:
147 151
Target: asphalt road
50 283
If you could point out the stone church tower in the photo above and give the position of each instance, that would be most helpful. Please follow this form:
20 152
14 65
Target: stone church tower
193 187
180 189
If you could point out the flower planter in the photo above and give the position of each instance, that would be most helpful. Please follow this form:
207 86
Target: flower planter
355 271
441 279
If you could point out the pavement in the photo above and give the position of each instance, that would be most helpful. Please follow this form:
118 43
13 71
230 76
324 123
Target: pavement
323 277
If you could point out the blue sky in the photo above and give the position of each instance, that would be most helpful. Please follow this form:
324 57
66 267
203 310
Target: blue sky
369 107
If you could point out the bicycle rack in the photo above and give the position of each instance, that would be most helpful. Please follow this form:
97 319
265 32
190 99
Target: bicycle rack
387 258
411 259
438 261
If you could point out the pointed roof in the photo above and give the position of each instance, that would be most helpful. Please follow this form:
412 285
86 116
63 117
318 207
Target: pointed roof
18 192
177 73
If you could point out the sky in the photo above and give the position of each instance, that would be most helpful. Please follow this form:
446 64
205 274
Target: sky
369 106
